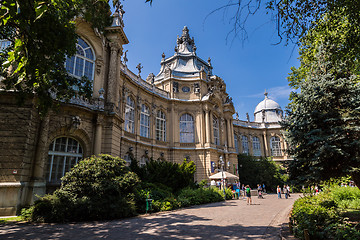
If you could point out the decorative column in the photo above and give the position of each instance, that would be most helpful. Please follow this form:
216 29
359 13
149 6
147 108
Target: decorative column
229 133
266 150
98 134
112 87
207 125
232 132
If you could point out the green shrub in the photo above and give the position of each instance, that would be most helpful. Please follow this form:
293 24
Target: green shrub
309 214
156 192
167 204
344 193
321 214
175 176
96 188
188 196
229 194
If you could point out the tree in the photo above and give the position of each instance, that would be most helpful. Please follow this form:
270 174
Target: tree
322 124
255 171
293 18
42 34
173 175
340 35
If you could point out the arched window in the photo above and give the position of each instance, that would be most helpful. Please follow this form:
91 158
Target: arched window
216 130
127 160
256 146
83 62
245 145
275 146
145 121
160 126
129 114
187 128
64 153
143 161
236 143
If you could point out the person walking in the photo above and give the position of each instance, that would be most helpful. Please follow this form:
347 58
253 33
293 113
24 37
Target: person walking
259 188
278 191
243 191
288 188
285 190
248 195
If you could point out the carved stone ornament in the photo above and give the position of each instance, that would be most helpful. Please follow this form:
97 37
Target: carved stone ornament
150 78
125 59
99 63
114 47
139 67
75 122
228 100
100 119
101 93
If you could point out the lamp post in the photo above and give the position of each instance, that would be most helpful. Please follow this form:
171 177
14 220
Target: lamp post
222 175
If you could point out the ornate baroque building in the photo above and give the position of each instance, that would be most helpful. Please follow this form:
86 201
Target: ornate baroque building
183 112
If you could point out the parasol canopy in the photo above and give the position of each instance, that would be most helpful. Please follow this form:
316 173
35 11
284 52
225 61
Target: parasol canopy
225 175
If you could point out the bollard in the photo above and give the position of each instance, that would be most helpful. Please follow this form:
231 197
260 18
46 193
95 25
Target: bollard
148 203
306 234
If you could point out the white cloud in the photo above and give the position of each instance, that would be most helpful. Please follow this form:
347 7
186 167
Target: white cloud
275 93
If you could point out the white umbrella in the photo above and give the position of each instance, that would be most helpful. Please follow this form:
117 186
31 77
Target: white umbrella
223 175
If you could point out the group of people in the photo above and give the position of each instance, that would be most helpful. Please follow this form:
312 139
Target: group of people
246 192
285 190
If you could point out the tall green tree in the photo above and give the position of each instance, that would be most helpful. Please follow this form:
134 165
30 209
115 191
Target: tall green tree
323 119
340 35
253 171
42 34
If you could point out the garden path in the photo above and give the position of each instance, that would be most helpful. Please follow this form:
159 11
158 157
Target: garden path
233 219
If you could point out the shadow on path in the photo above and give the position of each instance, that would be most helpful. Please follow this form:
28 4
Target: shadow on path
174 226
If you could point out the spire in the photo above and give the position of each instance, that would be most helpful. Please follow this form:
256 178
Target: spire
266 94
185 44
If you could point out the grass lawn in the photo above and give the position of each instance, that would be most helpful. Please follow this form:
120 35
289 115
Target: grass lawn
7 220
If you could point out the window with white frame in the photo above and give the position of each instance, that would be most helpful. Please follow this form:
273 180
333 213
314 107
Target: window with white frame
64 153
145 121
143 161
160 126
187 128
216 130
129 114
275 146
256 146
245 144
83 62
236 143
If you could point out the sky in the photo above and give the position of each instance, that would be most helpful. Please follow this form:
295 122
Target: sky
247 67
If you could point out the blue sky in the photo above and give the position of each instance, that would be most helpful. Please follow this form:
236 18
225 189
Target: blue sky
247 67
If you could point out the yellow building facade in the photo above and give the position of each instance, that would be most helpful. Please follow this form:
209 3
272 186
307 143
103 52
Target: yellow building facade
184 112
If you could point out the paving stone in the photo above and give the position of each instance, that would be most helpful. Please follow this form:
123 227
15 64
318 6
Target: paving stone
233 219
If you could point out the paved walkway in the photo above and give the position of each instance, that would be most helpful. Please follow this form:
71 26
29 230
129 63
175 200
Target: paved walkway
225 220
